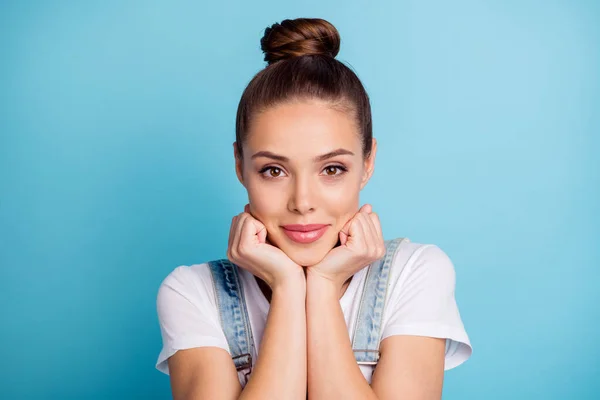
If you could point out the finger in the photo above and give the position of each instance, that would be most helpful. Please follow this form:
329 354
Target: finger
377 224
346 228
378 235
362 215
367 210
344 232
231 230
356 233
369 231
257 231
249 230
363 234
238 230
261 231
343 238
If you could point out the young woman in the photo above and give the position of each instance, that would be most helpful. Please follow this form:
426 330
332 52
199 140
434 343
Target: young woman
302 249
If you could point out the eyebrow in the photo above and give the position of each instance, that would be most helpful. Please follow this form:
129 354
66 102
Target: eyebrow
323 157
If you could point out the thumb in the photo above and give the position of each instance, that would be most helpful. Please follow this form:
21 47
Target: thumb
343 238
253 230
260 229
262 235
344 233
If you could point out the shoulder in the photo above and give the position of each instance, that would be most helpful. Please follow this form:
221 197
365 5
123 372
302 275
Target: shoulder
192 283
187 275
421 262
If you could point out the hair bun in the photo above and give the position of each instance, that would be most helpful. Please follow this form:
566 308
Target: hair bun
299 37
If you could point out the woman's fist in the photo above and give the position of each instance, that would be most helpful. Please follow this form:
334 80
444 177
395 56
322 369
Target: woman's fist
361 243
249 249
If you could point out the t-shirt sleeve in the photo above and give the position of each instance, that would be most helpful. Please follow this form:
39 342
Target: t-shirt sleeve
187 313
422 303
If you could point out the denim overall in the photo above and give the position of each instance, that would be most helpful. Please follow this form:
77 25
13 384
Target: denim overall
233 312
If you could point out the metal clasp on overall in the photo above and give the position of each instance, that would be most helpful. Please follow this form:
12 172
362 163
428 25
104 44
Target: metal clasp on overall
369 362
247 365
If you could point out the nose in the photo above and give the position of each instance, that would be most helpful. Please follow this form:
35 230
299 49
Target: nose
301 199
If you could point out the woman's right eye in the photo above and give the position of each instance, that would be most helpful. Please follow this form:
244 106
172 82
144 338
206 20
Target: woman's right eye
272 172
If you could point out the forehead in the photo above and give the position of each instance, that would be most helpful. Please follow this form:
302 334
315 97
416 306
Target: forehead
303 128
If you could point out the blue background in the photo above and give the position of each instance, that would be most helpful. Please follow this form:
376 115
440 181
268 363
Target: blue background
116 166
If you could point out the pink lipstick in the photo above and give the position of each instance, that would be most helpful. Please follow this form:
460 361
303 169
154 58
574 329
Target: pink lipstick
305 233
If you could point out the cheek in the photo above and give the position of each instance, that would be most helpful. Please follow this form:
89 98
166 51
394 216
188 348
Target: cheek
342 197
266 200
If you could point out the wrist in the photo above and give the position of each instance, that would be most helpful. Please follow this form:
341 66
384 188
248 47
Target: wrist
323 284
293 281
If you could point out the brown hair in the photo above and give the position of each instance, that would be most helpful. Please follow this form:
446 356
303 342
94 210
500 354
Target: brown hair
301 65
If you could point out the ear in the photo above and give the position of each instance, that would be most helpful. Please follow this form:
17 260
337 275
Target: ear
238 164
369 165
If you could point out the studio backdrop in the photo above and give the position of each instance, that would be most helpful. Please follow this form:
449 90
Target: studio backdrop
116 166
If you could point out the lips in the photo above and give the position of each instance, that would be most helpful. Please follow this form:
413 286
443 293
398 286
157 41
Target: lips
305 233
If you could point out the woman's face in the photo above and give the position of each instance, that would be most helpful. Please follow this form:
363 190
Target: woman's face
303 164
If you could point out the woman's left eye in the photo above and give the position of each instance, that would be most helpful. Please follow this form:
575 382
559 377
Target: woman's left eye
332 169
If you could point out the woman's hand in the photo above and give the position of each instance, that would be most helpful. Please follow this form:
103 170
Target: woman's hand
361 242
249 249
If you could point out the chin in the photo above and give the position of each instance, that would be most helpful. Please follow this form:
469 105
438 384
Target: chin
305 258
307 254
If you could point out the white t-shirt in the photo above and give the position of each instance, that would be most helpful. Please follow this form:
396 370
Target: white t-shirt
420 301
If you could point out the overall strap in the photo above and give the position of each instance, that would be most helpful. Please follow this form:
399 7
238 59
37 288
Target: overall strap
367 331
233 313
